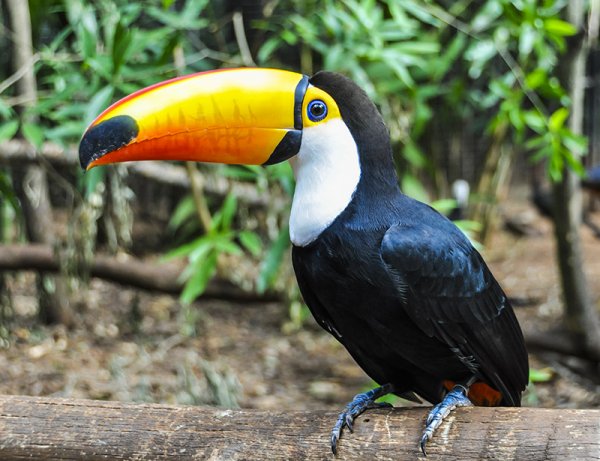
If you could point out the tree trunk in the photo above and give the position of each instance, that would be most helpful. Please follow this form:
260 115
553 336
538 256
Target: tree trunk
492 186
32 185
581 317
57 429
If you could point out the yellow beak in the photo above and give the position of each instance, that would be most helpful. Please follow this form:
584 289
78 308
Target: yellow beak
242 116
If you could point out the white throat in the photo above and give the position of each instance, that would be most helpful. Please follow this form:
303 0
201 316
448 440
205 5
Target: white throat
327 171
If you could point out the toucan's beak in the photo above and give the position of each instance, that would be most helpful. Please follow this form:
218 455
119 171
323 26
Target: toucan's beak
242 116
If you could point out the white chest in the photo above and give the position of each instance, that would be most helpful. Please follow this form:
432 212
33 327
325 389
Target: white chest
327 171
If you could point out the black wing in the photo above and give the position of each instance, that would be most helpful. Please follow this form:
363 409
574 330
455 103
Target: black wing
449 292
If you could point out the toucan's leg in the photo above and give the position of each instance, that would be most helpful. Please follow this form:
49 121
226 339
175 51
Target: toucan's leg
360 403
457 397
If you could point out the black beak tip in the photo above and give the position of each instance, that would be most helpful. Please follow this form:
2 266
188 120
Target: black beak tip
106 137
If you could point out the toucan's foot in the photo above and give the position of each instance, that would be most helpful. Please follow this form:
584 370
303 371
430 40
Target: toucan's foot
360 403
457 397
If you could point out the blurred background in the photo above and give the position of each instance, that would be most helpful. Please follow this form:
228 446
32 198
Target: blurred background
173 283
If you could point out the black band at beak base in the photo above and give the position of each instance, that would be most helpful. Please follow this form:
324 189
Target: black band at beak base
290 144
287 147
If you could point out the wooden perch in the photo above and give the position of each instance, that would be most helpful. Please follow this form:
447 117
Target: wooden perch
130 271
53 429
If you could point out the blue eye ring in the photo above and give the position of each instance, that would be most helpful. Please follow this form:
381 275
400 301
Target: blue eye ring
316 110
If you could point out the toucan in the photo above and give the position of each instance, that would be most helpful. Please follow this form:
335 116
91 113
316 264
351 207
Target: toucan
394 281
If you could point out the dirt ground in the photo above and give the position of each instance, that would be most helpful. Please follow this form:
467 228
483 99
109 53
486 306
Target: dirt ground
132 345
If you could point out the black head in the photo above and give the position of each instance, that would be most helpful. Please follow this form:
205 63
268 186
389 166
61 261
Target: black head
366 126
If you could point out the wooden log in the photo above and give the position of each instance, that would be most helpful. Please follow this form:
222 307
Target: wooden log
126 270
60 429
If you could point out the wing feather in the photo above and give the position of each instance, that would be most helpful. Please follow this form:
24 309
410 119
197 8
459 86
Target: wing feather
449 292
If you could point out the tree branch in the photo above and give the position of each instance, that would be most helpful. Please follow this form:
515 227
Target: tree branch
20 152
130 271
53 429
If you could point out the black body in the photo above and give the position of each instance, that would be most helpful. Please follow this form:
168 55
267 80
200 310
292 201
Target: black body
400 286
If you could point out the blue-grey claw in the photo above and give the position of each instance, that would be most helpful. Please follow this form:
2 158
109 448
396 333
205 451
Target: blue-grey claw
359 404
457 397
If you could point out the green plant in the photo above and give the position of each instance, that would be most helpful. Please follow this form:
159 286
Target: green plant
476 66
203 252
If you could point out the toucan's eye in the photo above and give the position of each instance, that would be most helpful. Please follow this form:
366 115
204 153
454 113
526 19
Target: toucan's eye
317 110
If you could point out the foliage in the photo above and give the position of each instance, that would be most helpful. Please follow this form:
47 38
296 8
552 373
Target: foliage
432 66
465 64
203 252
541 375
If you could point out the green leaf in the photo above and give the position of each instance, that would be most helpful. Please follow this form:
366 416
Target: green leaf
92 178
557 119
98 103
59 39
534 120
66 131
413 155
224 217
541 375
441 65
8 130
555 166
6 111
196 284
191 249
559 27
575 143
536 142
87 31
574 163
7 192
417 48
185 210
527 39
479 53
536 78
402 73
486 16
516 118
33 133
226 245
242 172
422 13
444 206
272 262
251 242
335 57
412 187
191 18
468 226
267 49
122 40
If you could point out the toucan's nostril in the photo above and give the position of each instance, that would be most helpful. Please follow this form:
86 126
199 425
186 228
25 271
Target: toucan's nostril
107 136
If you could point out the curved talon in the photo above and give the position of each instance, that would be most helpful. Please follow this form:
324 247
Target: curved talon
457 397
335 436
349 420
424 440
359 404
